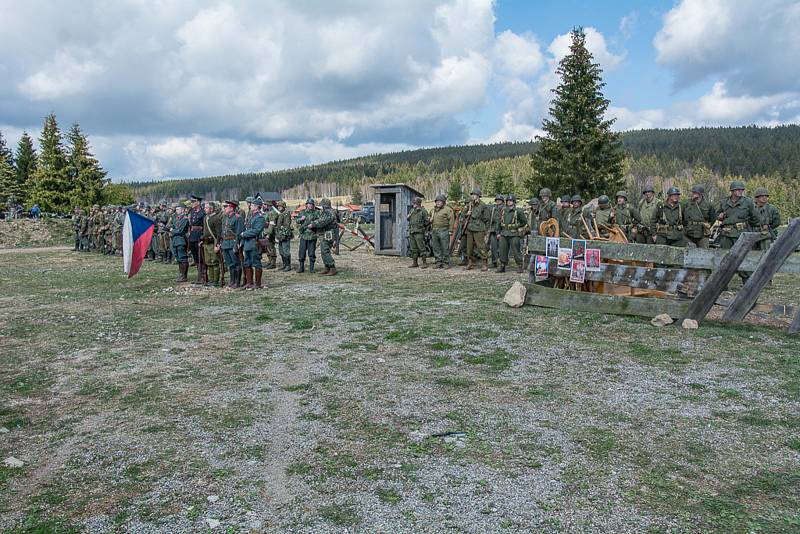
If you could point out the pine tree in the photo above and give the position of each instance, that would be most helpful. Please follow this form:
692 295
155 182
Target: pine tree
580 153
51 187
455 189
5 152
87 176
25 164
8 182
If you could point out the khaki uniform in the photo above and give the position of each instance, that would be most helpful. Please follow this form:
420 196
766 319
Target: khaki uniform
740 216
417 220
476 229
698 216
769 220
627 218
495 214
441 221
512 227
667 225
646 211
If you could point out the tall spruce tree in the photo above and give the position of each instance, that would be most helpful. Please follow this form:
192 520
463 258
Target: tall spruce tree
87 176
25 165
51 186
8 182
580 153
5 152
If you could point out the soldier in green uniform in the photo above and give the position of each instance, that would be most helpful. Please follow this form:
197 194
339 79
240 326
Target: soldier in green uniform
571 225
417 224
666 226
514 225
162 223
284 234
493 232
254 225
737 214
442 219
769 218
478 215
271 217
533 215
76 228
325 226
547 208
647 206
232 227
84 232
178 232
462 244
626 216
211 241
603 215
308 237
698 216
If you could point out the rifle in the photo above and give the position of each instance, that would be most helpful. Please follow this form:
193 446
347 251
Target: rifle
221 268
460 231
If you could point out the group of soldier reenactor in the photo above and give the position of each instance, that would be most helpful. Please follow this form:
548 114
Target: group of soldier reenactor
99 230
498 231
220 238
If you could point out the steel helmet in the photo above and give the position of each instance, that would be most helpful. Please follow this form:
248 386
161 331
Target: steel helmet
761 192
737 184
603 200
441 198
545 192
499 197
622 194
673 191
326 202
648 189
699 189
577 198
512 198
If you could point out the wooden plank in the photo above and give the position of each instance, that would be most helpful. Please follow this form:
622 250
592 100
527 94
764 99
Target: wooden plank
547 297
660 254
770 262
711 258
720 278
673 281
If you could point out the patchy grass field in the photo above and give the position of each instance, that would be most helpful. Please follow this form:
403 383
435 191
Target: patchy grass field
384 399
35 233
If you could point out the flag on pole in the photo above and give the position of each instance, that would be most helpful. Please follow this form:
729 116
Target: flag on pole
137 232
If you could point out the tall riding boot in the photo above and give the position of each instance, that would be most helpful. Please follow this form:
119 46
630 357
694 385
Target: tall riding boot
213 276
232 278
332 271
325 271
259 273
424 263
485 265
502 268
311 266
413 263
469 265
302 267
286 265
248 278
183 269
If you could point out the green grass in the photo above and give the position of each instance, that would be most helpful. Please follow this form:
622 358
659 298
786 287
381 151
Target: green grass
389 496
341 515
496 361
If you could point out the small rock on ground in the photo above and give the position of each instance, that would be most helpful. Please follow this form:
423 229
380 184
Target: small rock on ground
515 296
661 320
689 324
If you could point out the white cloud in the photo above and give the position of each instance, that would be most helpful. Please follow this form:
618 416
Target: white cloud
595 43
719 107
63 76
628 22
518 55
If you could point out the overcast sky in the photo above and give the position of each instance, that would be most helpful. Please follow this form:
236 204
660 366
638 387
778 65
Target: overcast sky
170 88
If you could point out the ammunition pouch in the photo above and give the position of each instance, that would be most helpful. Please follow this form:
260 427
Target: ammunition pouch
208 240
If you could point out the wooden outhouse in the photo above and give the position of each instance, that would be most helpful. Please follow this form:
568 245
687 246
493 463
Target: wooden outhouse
392 206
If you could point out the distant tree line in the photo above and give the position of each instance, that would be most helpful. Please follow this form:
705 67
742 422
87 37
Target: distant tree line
63 173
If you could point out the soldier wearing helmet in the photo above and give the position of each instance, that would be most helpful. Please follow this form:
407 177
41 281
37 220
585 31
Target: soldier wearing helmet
533 215
666 226
284 234
547 208
603 216
769 217
698 216
326 225
417 224
647 206
477 220
513 226
308 237
495 215
737 214
626 216
442 220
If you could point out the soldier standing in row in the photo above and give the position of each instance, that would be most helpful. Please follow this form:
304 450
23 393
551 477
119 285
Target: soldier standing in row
270 218
533 215
666 226
698 216
417 223
284 233
769 217
84 232
212 232
325 225
493 230
737 213
178 232
603 216
196 215
253 227
647 206
626 217
308 238
513 225
442 219
571 224
232 227
77 214
547 208
478 215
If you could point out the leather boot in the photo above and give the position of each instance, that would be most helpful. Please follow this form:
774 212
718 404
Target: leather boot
259 273
325 271
469 265
270 265
485 266
424 264
519 268
248 278
413 264
287 263
232 278
502 268
183 270
332 271
302 267
462 262
212 278
311 266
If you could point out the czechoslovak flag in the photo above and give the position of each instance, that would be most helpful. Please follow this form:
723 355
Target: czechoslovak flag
136 235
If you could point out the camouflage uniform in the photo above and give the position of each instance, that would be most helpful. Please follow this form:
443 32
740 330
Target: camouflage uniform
325 225
646 210
476 230
442 220
495 215
308 237
76 228
417 223
270 218
284 234
84 232
513 225
769 220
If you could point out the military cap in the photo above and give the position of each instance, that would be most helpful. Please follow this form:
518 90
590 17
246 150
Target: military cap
545 192
195 198
476 191
673 191
736 184
326 202
512 198
761 192
311 201
176 205
187 204
699 189
417 200
533 201
441 198
577 198
258 202
499 197
565 198
622 194
232 203
281 203
648 189
603 200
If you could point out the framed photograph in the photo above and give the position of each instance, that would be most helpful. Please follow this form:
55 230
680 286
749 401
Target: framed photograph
542 266
551 248
578 271
592 259
578 249
564 258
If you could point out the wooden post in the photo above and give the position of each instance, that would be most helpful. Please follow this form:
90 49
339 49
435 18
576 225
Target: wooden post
770 263
794 328
720 278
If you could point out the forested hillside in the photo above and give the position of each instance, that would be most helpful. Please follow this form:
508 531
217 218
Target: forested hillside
743 151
